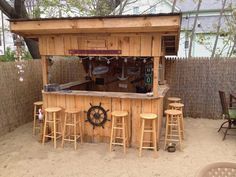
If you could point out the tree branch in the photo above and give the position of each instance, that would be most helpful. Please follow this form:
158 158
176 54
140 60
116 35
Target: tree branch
7 9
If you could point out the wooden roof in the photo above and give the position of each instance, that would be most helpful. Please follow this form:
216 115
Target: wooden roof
108 24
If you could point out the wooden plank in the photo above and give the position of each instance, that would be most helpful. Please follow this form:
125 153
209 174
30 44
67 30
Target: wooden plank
156 61
74 42
136 124
88 130
156 45
106 104
126 106
51 45
147 108
44 64
59 45
135 46
95 25
123 44
70 101
67 44
112 43
146 45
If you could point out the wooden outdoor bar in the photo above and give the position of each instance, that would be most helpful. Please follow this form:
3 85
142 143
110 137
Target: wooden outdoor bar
121 56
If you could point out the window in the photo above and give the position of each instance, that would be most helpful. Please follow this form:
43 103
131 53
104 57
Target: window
135 10
153 9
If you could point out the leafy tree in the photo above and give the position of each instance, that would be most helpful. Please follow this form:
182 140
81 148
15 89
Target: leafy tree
18 10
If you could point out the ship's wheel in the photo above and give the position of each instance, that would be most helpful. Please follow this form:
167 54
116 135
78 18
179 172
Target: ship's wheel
97 115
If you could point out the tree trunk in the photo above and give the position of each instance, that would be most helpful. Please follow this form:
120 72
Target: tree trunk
193 30
218 29
19 11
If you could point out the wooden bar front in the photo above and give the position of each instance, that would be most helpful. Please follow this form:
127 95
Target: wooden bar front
132 102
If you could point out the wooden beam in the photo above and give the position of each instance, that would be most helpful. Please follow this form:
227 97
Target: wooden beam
156 61
97 25
44 69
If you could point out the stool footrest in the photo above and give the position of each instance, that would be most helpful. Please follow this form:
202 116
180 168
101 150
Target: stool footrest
146 147
121 144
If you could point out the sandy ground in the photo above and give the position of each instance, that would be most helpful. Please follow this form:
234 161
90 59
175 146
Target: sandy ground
22 156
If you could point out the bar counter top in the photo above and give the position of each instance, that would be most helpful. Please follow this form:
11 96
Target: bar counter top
162 90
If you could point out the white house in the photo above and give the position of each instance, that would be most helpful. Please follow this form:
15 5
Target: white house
205 33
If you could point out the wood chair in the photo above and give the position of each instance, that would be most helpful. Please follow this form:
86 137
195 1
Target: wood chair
36 124
179 106
173 127
153 130
229 113
52 120
72 120
119 125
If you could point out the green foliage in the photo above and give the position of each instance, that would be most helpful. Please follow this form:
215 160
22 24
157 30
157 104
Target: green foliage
10 55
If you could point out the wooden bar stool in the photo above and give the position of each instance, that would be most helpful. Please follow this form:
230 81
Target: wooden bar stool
72 120
173 100
152 130
179 106
36 124
173 131
119 123
52 116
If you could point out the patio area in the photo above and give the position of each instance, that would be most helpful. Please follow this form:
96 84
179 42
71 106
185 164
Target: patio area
21 155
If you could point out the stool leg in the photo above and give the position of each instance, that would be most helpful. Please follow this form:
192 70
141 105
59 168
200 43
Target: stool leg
45 127
124 133
35 112
141 138
54 130
154 137
112 126
127 133
182 123
64 130
167 131
179 133
75 132
80 130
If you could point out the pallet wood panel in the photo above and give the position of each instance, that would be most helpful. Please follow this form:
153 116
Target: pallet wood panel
133 106
129 44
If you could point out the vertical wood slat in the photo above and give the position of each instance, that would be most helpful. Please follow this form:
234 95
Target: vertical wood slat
136 110
59 45
51 45
156 45
146 45
67 44
135 46
44 64
123 45
156 61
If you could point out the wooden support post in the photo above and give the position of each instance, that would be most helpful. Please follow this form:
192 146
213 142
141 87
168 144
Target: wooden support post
155 75
44 69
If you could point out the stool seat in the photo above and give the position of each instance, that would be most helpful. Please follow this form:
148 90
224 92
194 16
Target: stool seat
173 112
176 105
72 110
119 113
53 109
174 99
148 116
38 103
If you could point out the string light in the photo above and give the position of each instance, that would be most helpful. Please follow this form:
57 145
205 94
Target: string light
125 60
144 60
